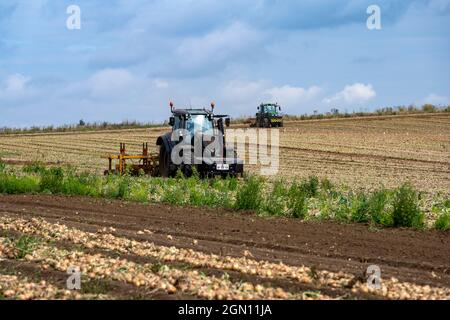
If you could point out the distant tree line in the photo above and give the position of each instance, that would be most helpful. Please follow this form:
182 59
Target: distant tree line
132 124
81 126
399 110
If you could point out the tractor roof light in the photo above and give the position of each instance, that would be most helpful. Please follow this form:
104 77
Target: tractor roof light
212 106
171 105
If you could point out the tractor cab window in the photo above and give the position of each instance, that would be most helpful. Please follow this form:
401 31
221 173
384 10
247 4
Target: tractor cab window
272 109
198 123
178 123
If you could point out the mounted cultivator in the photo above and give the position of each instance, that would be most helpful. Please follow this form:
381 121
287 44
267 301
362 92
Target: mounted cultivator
147 163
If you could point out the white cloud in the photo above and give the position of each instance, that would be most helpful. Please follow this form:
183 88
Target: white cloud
243 97
355 93
293 96
15 86
436 99
16 83
218 45
241 92
160 84
106 95
115 88
111 82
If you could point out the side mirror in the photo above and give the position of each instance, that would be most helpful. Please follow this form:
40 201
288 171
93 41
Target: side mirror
227 122
172 121
279 108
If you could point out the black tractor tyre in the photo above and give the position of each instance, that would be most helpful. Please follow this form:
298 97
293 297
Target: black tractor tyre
164 162
266 123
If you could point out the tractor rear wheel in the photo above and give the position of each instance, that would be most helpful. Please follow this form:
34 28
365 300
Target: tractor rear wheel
164 162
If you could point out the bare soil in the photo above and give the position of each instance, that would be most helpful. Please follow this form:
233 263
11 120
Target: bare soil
421 257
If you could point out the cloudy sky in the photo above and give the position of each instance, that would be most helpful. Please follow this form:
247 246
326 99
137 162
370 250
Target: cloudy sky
131 57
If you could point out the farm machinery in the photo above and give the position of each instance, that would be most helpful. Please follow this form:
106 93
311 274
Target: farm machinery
196 142
147 163
268 116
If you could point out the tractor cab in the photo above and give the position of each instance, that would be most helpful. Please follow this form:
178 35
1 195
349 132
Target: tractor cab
197 120
199 123
194 121
271 109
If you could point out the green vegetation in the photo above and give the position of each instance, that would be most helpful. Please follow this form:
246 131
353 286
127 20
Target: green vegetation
386 111
275 202
310 186
82 126
297 201
249 195
309 199
379 212
12 184
95 286
443 222
25 245
406 211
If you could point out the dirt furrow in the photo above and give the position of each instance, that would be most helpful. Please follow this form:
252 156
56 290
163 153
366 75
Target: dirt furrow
417 256
391 288
126 291
400 248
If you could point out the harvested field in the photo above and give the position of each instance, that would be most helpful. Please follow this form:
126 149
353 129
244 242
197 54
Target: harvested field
156 251
362 152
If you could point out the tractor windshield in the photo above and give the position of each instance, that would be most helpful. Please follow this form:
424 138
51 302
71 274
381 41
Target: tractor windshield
272 109
198 123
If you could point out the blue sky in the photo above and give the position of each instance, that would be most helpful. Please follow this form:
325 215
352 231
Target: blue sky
131 57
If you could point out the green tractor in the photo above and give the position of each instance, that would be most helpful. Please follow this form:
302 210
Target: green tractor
268 116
